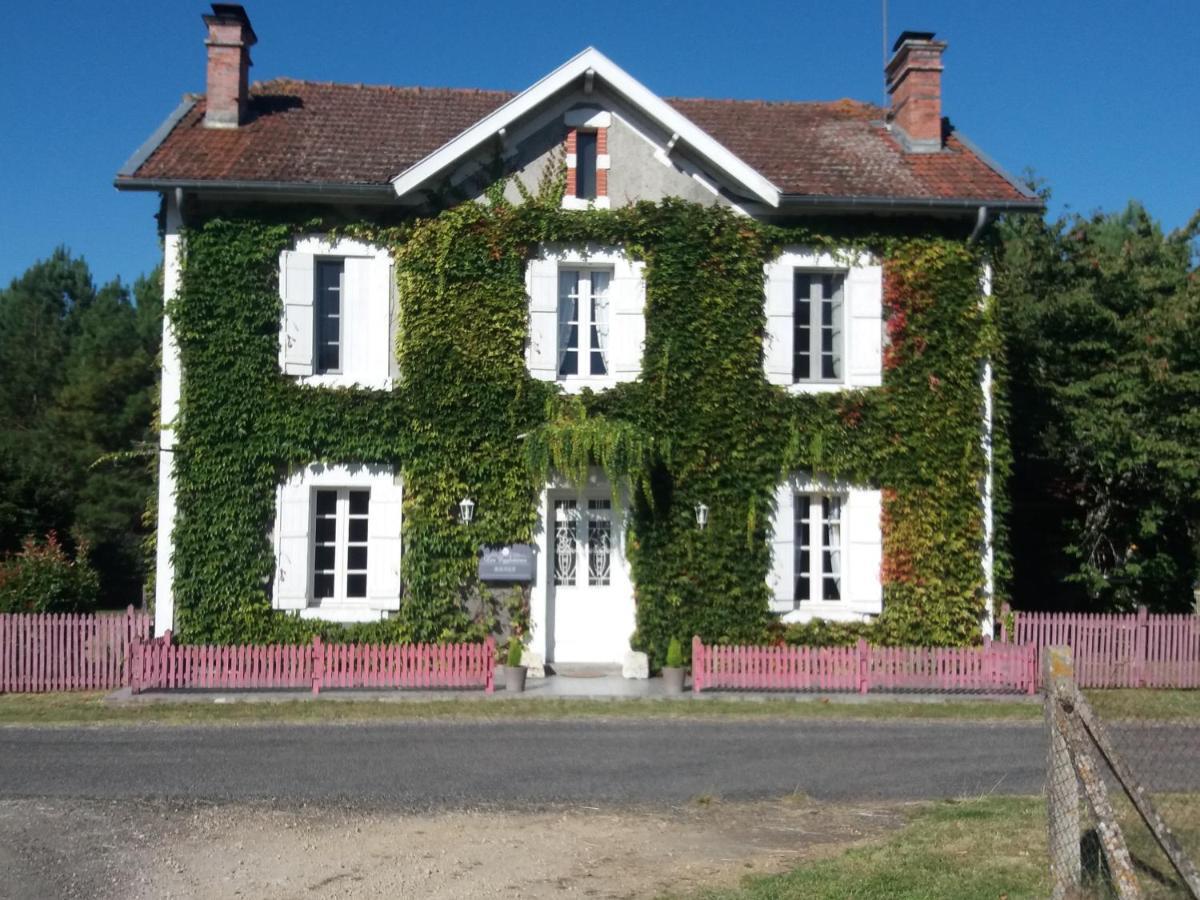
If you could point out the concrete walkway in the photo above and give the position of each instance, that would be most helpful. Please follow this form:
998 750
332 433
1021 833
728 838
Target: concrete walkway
576 683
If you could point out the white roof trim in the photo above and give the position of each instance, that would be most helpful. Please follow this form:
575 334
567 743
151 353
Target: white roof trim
591 59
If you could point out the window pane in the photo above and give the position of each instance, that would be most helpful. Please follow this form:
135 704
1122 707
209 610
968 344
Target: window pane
323 585
599 537
326 503
803 579
801 327
568 322
326 531
585 165
359 501
358 531
324 557
328 309
356 558
565 515
599 317
356 585
831 326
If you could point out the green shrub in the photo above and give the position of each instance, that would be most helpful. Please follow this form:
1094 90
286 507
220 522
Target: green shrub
514 652
674 654
42 578
821 633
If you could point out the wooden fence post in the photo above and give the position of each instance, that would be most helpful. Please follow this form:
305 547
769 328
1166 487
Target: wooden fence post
489 662
318 664
697 664
864 666
1062 787
1141 649
135 664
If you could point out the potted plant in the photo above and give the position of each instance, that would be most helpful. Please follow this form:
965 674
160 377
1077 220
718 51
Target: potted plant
514 672
673 671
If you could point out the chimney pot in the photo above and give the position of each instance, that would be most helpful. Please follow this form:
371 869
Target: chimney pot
914 83
230 38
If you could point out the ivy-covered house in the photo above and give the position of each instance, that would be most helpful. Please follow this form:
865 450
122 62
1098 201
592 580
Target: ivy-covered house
582 362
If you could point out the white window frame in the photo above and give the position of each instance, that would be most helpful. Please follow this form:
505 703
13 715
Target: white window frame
584 323
341 545
817 546
816 327
317 300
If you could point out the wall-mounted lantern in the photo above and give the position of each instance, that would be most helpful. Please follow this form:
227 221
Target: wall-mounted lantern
466 510
701 516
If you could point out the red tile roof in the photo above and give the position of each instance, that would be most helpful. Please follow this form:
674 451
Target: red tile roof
345 134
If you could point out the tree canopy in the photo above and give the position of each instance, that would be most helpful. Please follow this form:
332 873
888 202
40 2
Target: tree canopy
77 403
1101 318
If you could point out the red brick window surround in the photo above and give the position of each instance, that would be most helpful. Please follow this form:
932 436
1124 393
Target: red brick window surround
585 147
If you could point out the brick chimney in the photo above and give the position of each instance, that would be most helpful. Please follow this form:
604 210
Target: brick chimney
914 82
230 38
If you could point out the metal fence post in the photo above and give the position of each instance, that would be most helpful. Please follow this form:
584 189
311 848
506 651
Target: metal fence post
1062 787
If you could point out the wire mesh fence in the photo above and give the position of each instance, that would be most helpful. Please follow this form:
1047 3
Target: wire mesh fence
1122 796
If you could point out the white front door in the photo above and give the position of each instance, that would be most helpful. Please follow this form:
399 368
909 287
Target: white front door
590 597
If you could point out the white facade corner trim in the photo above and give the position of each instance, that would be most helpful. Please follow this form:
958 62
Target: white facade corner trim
622 83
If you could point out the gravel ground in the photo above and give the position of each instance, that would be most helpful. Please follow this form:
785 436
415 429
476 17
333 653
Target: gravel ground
73 848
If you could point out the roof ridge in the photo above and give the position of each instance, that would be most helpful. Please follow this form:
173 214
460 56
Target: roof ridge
841 103
396 88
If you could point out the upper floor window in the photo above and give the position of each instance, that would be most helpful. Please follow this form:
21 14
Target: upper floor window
588 162
817 322
583 322
328 310
338 313
585 165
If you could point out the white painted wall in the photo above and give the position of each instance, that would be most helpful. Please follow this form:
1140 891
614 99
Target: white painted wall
989 525
862 345
164 567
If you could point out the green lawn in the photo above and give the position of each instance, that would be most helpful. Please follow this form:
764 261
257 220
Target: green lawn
989 848
91 708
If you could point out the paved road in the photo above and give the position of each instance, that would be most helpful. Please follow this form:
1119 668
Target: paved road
422 765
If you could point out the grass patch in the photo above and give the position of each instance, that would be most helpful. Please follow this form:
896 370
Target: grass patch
1162 705
92 709
991 847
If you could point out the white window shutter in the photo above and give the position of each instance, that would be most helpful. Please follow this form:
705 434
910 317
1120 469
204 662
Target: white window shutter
293 568
627 293
384 523
379 337
296 290
864 321
782 578
777 348
863 556
543 319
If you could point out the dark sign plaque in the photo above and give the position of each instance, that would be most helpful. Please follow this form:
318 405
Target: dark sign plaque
512 563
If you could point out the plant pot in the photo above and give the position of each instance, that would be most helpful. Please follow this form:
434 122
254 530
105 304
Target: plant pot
514 678
673 679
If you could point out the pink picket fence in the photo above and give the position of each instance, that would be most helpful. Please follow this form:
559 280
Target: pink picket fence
42 652
1115 650
992 668
162 664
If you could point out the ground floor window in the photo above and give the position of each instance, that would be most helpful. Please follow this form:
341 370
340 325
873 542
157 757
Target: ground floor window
340 543
818 547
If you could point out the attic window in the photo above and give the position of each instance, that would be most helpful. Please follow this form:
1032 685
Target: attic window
585 165
587 158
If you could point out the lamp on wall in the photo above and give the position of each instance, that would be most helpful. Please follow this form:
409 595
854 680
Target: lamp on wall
701 515
466 510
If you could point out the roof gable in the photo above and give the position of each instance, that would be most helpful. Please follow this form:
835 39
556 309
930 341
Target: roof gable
587 66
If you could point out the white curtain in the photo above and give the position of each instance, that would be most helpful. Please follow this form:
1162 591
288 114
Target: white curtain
600 282
834 522
568 314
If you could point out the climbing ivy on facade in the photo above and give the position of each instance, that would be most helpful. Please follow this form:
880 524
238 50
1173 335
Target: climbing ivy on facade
700 424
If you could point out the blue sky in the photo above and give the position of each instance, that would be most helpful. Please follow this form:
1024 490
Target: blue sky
1097 97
